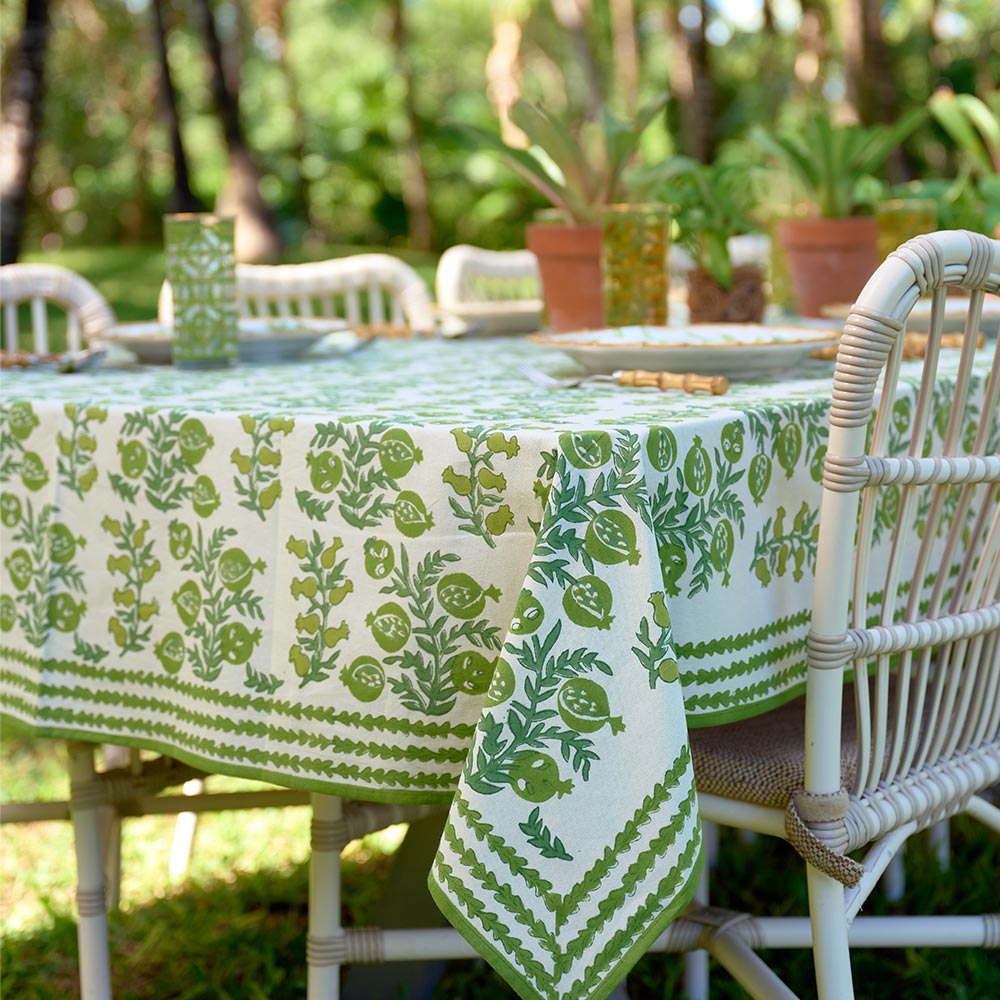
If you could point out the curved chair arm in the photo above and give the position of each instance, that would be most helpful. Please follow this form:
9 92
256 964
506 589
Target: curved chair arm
291 288
87 309
471 274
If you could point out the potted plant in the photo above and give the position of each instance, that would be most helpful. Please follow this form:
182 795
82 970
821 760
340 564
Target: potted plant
832 251
580 172
711 203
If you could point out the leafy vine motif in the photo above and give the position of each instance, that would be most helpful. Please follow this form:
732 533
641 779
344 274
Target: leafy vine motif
479 491
19 421
44 576
655 652
774 546
128 626
75 465
697 517
206 604
441 663
510 753
163 463
570 503
375 456
323 586
257 482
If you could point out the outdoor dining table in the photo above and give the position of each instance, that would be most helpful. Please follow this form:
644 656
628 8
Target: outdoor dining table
409 575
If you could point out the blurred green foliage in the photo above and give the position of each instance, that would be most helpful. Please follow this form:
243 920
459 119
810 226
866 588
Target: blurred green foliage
323 102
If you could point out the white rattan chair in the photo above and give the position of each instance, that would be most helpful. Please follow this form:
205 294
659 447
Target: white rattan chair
918 736
41 285
494 289
372 288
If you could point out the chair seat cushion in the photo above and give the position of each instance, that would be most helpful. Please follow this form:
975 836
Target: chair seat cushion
762 760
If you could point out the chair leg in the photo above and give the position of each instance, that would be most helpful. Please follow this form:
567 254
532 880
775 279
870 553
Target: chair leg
894 880
325 950
696 961
184 830
940 836
829 933
86 806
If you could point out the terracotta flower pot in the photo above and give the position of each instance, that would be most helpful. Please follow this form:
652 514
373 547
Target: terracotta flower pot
709 302
829 260
569 264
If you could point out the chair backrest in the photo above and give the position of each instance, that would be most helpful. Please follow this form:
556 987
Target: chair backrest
87 311
373 288
471 274
922 638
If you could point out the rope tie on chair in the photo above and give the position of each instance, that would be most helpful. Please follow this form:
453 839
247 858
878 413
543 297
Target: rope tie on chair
991 930
923 256
844 475
806 808
328 835
363 945
87 794
865 344
90 902
980 261
828 652
326 950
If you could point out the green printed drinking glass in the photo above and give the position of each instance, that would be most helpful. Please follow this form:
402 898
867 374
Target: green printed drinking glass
634 249
900 219
201 269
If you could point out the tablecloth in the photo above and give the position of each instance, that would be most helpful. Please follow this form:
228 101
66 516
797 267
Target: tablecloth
410 575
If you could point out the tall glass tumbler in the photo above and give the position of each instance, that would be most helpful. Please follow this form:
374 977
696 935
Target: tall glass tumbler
900 219
634 264
201 269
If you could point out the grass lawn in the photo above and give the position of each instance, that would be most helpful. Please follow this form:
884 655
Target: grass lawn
235 928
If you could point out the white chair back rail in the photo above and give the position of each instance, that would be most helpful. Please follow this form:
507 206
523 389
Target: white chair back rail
87 311
471 274
384 287
927 691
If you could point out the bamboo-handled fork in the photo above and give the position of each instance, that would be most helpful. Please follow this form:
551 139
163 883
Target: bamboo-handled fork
686 382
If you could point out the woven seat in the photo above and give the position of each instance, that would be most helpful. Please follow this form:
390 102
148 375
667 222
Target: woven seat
762 760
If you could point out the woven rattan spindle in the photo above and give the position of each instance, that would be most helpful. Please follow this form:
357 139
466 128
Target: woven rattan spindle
10 325
40 325
376 310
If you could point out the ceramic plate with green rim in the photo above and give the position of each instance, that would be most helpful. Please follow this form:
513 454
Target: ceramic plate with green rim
737 350
264 339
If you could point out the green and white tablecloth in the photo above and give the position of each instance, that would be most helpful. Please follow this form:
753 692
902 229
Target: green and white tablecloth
408 574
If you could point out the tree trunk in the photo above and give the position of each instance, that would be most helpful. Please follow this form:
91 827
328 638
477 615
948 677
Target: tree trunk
271 14
256 236
691 87
814 30
414 177
181 198
20 126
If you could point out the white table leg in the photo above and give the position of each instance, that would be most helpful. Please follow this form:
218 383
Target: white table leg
696 962
86 806
325 942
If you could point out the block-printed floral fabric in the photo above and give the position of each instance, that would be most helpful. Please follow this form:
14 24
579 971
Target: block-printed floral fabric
407 573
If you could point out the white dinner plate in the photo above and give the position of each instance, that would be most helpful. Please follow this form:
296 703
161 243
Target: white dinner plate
955 309
261 340
737 350
489 318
